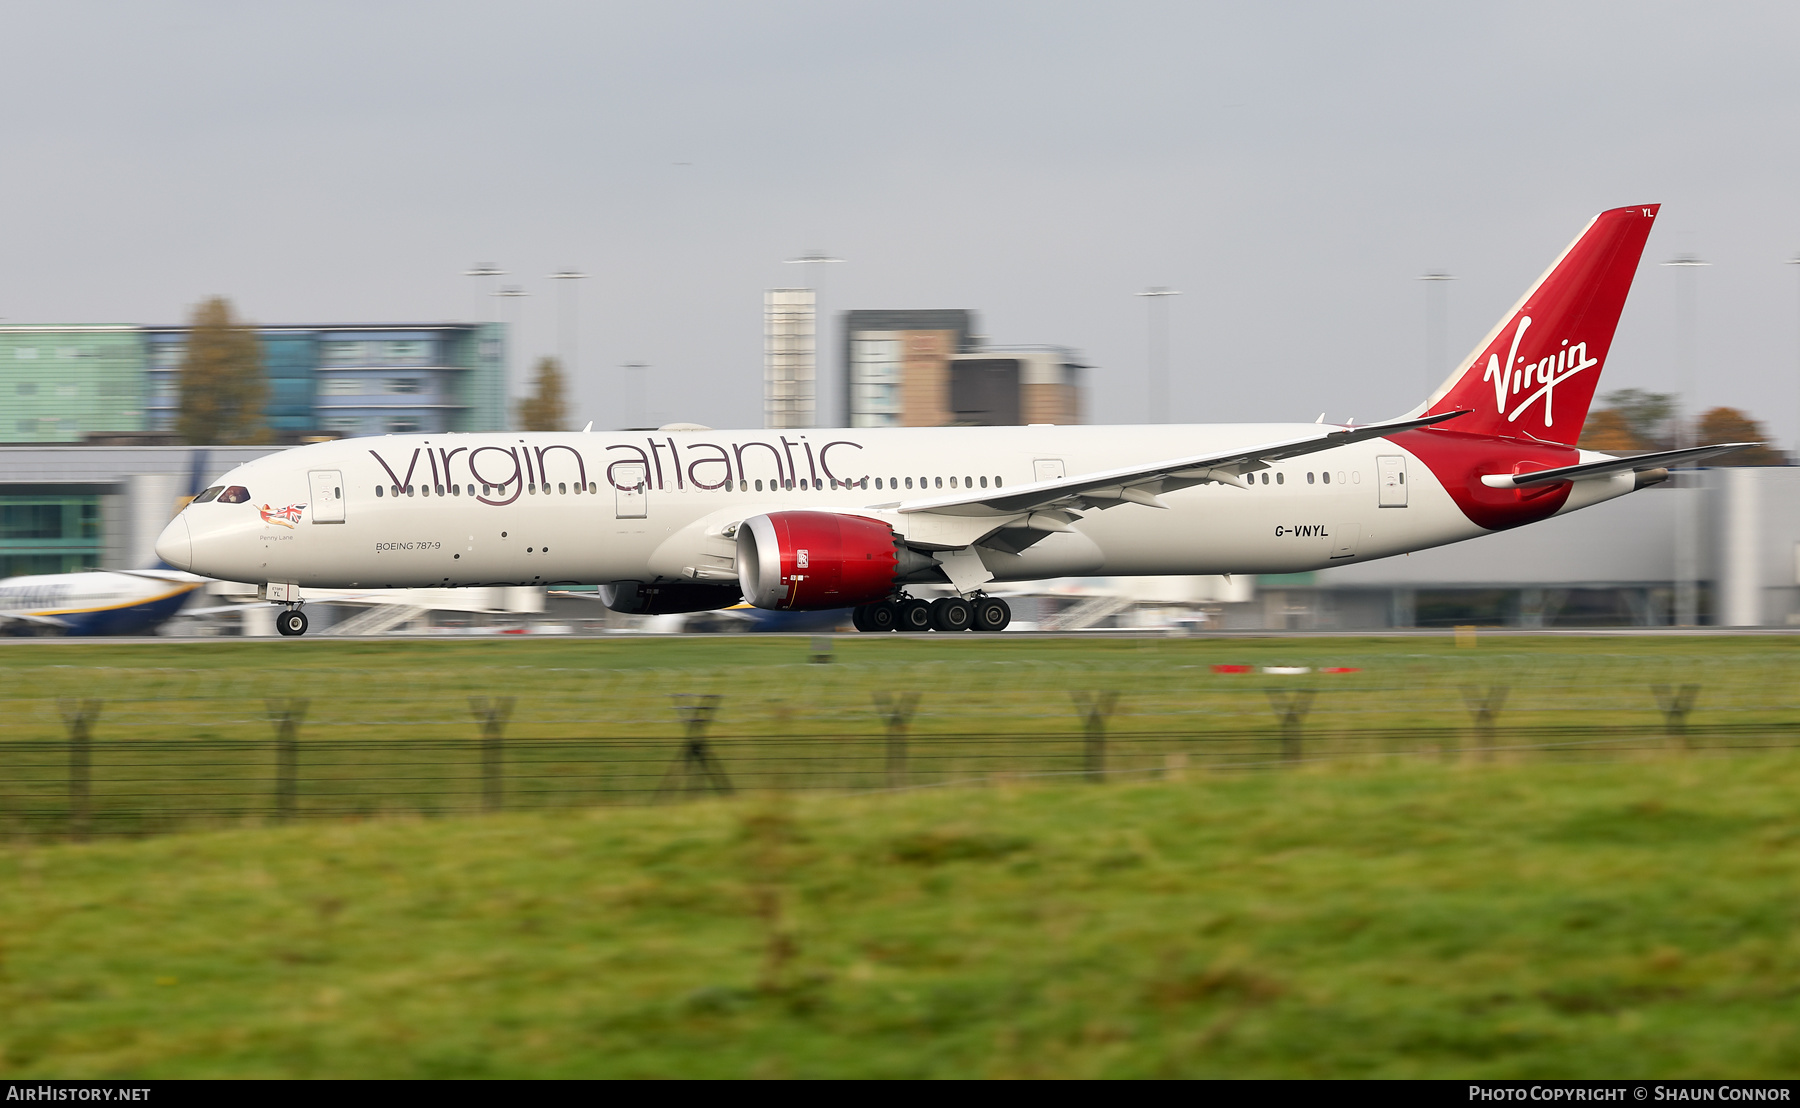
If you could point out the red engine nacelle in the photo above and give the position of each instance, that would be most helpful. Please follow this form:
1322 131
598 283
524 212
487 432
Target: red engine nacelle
801 561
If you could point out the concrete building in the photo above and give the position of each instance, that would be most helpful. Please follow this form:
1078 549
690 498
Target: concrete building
790 358
73 383
358 379
896 367
1015 386
68 508
60 384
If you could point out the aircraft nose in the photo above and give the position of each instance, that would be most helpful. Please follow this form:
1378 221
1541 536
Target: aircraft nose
175 546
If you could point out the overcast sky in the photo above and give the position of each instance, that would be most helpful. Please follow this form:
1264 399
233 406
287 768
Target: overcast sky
1291 168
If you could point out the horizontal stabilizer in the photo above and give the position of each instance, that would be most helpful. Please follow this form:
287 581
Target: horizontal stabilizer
1637 463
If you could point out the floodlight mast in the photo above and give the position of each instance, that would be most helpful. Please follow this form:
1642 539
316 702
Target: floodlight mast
567 326
1687 542
490 271
1157 385
810 259
1436 326
502 295
1795 261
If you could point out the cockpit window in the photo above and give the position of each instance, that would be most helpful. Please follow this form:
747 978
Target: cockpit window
236 494
209 495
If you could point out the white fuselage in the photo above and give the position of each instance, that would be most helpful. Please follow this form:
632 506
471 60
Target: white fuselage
516 508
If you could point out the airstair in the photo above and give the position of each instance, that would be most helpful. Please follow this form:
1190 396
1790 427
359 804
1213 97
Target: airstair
377 620
1087 613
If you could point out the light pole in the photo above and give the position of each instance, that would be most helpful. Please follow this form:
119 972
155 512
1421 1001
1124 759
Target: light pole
1687 538
567 326
1795 261
479 271
1436 325
1157 339
812 259
501 294
638 372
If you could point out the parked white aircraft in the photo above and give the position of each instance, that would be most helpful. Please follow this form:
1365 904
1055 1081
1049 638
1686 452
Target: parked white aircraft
688 519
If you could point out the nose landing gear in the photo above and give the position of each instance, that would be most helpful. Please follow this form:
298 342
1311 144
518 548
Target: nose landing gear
291 622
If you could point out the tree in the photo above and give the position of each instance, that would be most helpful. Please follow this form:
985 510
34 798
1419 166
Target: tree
223 388
1731 425
1608 430
1650 414
545 409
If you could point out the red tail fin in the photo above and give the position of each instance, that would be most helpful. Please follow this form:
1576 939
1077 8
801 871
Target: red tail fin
1535 374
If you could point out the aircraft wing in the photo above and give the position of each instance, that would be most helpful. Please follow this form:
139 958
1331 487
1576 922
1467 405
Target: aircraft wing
1637 463
27 617
173 576
1143 484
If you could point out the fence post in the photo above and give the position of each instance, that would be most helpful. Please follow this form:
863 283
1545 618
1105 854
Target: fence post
492 716
1485 707
897 709
79 716
1095 707
695 769
1675 704
286 712
1291 706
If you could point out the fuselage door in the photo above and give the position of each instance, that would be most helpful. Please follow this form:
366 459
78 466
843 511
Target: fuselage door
1047 469
628 481
1392 470
327 486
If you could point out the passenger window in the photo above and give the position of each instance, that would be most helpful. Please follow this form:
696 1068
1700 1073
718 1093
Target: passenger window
1325 477
562 488
1280 479
940 482
409 490
440 490
743 486
759 484
996 482
378 490
209 495
909 482
878 484
1309 477
984 482
865 483
236 494
952 482
968 482
1340 476
455 490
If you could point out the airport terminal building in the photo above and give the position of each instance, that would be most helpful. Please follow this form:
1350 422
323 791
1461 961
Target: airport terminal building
80 383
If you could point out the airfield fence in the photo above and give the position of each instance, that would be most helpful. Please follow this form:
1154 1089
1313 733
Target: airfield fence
129 752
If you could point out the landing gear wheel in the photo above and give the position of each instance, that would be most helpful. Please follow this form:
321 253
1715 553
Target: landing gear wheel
859 617
952 613
879 616
992 614
291 622
914 615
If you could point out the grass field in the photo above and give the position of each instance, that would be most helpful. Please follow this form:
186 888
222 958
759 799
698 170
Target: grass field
1417 918
183 736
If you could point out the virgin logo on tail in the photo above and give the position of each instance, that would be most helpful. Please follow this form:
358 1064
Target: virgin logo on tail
1545 373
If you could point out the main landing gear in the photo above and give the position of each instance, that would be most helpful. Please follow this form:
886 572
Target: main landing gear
951 613
291 622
